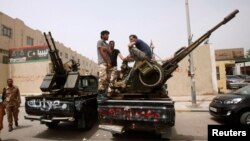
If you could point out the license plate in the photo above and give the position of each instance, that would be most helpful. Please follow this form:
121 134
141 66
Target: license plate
213 109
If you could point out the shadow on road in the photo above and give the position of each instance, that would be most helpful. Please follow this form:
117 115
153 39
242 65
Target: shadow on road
149 136
22 127
67 131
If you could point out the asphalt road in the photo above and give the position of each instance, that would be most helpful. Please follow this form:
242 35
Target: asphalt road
189 126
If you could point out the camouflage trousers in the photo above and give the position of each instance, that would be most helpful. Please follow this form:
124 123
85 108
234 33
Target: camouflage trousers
112 78
12 112
137 55
104 77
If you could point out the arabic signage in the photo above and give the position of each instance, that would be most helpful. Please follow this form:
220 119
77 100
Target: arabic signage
229 54
28 54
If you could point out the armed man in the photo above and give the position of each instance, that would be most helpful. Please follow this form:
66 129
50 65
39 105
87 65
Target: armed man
12 101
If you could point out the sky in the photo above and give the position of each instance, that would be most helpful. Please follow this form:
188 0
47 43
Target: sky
78 23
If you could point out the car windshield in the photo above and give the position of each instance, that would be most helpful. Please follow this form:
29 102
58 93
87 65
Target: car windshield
244 90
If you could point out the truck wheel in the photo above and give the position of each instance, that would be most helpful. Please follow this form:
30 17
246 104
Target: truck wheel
87 119
245 118
52 124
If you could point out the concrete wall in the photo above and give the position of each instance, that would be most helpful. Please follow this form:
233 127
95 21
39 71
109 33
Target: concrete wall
205 74
28 76
3 75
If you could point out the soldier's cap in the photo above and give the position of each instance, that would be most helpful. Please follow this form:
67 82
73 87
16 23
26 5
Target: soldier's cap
104 32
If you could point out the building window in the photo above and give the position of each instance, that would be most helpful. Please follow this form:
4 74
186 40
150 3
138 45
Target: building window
218 73
3 51
5 59
61 54
6 31
30 41
78 61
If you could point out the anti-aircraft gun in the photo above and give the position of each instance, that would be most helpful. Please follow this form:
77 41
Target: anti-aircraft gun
61 79
149 76
141 105
67 95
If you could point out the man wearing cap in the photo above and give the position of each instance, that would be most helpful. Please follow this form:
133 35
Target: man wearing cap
104 63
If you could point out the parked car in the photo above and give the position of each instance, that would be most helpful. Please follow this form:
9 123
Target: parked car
234 106
245 77
235 82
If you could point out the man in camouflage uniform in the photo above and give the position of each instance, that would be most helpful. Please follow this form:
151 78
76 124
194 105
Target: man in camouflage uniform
104 63
12 101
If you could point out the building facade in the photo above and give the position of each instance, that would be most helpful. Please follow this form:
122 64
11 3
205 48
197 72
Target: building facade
226 65
204 70
24 56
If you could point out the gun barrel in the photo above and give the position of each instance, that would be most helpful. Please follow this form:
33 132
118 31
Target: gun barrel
176 59
230 16
55 58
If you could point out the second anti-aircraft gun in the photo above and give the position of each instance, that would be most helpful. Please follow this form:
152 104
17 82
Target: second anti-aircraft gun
66 95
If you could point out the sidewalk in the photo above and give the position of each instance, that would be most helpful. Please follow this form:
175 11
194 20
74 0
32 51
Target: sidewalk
184 103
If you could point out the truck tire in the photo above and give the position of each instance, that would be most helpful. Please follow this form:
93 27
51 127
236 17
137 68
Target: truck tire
52 124
245 118
86 120
155 79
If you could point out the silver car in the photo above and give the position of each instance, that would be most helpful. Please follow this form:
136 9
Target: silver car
235 82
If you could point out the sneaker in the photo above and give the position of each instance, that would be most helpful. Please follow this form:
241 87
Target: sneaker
10 129
16 123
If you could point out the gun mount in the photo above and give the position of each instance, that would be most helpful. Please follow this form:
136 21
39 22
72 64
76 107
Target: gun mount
150 76
60 78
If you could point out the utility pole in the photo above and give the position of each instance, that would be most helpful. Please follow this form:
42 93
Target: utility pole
191 63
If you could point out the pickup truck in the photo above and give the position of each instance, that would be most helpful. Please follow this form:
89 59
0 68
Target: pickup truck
66 95
79 105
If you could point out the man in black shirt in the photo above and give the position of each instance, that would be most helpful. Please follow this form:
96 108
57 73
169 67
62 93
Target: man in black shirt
113 58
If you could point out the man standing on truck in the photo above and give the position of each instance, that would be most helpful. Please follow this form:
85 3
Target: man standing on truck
104 63
12 101
113 69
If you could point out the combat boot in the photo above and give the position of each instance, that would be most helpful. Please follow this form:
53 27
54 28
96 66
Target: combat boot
16 123
10 129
